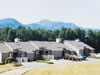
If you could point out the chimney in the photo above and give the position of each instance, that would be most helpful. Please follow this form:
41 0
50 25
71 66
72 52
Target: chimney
58 40
77 40
17 40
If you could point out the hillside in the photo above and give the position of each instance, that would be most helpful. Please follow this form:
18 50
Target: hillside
44 24
9 22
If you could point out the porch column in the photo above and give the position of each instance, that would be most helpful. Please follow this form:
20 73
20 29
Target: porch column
11 55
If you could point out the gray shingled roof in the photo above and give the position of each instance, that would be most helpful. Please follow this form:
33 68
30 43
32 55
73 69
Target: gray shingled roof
75 45
31 46
23 46
4 48
50 45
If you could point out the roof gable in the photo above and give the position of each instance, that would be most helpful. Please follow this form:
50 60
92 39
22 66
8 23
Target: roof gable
4 48
78 45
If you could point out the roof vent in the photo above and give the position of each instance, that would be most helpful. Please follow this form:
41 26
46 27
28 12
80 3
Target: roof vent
58 40
77 40
17 40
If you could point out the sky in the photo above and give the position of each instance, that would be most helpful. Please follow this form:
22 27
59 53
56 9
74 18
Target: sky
84 13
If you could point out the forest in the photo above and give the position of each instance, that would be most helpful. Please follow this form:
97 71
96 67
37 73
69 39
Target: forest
89 37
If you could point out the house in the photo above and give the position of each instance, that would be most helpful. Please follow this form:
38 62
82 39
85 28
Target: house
52 49
36 50
3 52
79 47
21 50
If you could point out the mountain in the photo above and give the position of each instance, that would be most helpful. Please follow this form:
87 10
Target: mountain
34 26
43 24
9 22
56 25
47 24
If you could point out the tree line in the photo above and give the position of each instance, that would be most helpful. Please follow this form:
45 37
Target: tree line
25 34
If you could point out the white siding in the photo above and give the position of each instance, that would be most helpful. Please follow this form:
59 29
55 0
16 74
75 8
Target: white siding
0 57
4 56
92 51
30 56
57 54
87 52
22 59
81 52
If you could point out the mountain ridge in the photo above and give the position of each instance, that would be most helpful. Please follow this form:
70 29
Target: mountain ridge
9 22
45 24
42 24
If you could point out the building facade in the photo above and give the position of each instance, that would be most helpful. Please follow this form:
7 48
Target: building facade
37 50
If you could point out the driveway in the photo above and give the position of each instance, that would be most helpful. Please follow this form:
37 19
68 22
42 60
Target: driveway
29 65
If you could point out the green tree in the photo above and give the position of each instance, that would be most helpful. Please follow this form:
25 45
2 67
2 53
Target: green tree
91 38
4 33
97 42
62 32
11 35
80 34
69 34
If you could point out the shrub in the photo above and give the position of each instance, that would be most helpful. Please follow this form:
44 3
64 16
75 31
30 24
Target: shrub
43 61
17 65
9 60
94 57
1 63
50 63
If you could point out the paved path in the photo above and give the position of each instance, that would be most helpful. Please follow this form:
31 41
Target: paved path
26 67
29 65
16 71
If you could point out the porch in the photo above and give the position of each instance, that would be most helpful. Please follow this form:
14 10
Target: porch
43 54
18 55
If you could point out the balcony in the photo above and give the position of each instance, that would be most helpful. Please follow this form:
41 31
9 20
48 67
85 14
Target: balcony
22 59
48 57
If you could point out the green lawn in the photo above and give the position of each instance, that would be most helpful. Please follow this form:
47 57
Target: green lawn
94 57
70 69
6 67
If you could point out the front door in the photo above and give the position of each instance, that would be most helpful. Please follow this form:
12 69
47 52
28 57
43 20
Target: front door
86 52
15 55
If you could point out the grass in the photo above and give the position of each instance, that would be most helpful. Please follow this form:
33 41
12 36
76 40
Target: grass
43 61
71 69
6 67
94 57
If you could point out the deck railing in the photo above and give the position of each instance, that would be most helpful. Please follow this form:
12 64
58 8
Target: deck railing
48 57
22 59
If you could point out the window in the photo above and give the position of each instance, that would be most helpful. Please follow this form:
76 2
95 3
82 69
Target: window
46 52
68 52
20 55
25 54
